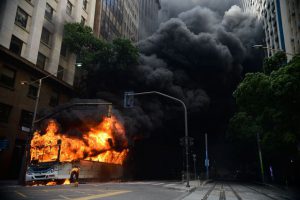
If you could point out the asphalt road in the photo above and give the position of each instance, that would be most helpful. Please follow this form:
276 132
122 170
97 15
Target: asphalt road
107 191
155 190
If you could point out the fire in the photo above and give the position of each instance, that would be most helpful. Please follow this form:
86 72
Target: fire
98 144
66 182
51 183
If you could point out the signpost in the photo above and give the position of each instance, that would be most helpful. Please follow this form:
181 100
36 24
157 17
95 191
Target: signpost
128 99
206 157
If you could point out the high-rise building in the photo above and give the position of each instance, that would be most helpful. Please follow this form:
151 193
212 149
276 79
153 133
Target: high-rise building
131 19
148 17
116 18
31 34
281 22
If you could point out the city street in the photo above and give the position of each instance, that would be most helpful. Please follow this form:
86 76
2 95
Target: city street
150 190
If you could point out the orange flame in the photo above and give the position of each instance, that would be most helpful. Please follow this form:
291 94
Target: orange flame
98 144
51 183
66 182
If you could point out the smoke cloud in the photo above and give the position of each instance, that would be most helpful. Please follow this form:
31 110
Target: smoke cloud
198 54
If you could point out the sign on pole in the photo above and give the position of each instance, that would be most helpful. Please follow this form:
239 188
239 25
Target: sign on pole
3 144
128 99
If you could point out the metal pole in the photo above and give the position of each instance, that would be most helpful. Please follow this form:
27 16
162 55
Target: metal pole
26 156
185 125
206 157
260 158
194 158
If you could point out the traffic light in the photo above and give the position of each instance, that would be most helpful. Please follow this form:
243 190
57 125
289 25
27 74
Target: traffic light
128 99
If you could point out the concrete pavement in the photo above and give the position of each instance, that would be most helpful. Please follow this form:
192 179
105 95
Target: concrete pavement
236 191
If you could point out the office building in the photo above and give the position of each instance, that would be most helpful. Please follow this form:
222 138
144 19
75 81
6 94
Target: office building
116 18
148 23
281 22
31 34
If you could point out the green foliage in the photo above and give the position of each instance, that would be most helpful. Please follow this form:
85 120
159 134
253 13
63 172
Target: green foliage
101 59
124 52
270 104
274 62
81 41
238 123
93 51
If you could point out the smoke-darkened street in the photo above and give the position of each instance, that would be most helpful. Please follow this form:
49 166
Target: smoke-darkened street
149 190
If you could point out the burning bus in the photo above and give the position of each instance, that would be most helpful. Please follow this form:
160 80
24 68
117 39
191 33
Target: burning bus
98 154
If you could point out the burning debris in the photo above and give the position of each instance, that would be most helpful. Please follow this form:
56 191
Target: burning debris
105 142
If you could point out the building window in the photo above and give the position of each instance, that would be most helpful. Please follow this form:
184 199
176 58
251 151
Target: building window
82 22
26 120
7 77
63 49
46 36
69 8
4 112
21 18
33 88
16 45
84 4
54 99
41 60
60 72
49 12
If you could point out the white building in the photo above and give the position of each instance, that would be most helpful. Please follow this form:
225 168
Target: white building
33 29
281 21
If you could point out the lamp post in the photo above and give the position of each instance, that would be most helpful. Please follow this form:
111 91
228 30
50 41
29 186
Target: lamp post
194 159
26 156
128 102
260 46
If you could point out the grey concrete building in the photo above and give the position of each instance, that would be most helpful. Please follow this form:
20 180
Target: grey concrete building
116 18
148 23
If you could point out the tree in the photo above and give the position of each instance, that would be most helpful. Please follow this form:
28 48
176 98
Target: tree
270 104
103 61
275 62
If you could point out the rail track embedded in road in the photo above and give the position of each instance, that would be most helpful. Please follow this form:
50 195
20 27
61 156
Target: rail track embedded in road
235 193
266 194
208 192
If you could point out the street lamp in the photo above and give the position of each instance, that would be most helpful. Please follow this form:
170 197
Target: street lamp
260 46
78 64
26 157
128 103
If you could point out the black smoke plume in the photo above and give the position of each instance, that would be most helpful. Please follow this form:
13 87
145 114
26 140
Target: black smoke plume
199 54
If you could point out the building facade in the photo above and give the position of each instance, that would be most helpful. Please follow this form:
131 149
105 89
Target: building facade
33 29
148 23
281 22
31 34
116 18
